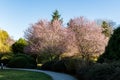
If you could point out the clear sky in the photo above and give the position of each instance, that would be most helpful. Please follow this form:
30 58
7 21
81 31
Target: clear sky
17 15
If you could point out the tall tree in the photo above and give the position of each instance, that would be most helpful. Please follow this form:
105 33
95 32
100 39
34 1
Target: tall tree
4 45
89 38
46 38
107 29
112 51
56 16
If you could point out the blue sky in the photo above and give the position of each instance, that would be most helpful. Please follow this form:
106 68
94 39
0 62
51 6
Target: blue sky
17 15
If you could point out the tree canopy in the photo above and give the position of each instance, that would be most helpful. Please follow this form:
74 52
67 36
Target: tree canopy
107 29
56 16
4 44
18 46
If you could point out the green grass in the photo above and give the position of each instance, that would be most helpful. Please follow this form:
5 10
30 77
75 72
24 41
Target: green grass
22 75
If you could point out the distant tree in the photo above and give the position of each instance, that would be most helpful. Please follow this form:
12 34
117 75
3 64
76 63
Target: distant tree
18 46
112 51
107 25
110 22
107 29
89 38
56 16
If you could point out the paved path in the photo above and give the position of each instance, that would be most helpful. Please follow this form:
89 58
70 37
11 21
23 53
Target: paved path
54 75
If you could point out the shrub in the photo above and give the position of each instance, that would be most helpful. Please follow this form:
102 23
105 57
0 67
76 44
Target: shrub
59 66
99 72
81 73
22 61
70 65
6 57
116 75
18 62
48 65
66 65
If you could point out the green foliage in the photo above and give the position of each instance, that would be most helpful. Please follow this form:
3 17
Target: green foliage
18 46
112 51
58 66
116 75
69 65
48 65
6 57
46 57
116 67
3 35
19 62
4 46
96 72
56 16
22 61
107 30
99 72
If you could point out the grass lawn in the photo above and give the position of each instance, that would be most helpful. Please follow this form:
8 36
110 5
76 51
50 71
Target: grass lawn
22 75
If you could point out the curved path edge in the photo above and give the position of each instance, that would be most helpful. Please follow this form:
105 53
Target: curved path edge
54 75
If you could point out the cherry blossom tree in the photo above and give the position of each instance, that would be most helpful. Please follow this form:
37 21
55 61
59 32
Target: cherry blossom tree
81 36
89 38
46 37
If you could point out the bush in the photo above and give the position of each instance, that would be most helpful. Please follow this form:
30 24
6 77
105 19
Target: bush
99 72
48 65
22 61
116 75
116 66
71 65
81 73
66 65
18 62
6 57
59 66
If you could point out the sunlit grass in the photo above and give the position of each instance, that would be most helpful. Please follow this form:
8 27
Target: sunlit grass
1 76
22 75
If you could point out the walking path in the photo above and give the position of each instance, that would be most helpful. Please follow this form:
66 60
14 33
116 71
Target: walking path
54 75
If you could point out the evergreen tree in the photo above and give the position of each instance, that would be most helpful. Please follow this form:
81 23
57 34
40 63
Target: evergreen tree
56 16
112 51
107 29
